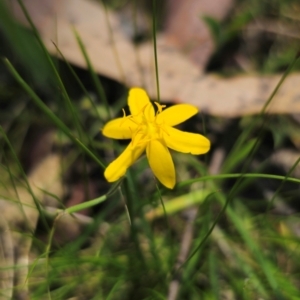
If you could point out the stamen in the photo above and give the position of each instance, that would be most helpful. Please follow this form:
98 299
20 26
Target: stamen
144 115
124 117
131 118
141 141
159 107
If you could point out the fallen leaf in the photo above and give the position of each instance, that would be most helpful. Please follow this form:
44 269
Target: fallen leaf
180 79
18 220
186 29
56 24
243 95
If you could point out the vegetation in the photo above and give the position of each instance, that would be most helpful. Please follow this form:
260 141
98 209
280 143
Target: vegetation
228 230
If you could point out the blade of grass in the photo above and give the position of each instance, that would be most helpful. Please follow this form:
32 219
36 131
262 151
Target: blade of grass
214 274
136 50
244 152
267 267
130 190
113 43
50 114
238 175
36 201
282 183
235 219
154 9
94 76
246 133
24 45
78 81
178 204
65 95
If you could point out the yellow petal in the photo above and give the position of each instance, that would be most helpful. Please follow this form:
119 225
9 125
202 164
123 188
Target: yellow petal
176 114
120 128
161 163
138 101
119 166
185 142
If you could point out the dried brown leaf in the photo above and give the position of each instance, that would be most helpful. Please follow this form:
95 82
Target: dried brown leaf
18 220
185 28
180 79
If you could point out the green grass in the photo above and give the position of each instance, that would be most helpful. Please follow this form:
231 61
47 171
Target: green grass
240 243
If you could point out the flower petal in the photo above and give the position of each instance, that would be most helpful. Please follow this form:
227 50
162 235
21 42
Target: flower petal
176 114
120 128
185 142
138 101
161 163
119 166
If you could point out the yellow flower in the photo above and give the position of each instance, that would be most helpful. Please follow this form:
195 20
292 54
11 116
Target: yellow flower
154 133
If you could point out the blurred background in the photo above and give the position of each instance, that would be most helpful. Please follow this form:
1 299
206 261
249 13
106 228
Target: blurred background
229 229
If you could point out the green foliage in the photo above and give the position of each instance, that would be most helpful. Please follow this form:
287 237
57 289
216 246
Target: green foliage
128 245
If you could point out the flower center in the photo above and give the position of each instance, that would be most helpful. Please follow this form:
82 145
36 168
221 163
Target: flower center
148 129
152 130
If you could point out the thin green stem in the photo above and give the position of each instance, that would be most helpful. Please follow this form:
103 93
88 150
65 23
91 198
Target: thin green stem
155 48
78 81
54 69
238 175
242 138
36 201
113 44
96 81
47 111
